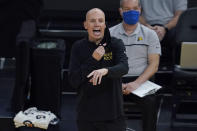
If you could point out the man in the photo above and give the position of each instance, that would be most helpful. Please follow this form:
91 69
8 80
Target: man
162 16
97 64
143 51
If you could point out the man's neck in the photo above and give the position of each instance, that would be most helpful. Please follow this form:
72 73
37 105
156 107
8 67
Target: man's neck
129 29
95 41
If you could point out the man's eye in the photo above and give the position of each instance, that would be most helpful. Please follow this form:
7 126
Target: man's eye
92 20
125 10
101 21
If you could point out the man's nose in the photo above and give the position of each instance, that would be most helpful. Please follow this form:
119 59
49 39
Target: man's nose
97 23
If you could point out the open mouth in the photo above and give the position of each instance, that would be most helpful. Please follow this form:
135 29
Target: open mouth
97 32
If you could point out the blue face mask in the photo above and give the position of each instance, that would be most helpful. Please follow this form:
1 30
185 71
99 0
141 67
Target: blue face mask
131 17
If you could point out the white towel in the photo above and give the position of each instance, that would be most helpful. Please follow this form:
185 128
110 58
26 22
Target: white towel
35 118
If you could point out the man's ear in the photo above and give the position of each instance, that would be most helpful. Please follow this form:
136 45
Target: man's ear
140 10
85 25
120 11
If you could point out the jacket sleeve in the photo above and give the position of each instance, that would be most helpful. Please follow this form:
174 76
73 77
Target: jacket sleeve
120 67
79 70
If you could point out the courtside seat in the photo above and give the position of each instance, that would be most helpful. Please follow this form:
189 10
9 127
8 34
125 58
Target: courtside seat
184 84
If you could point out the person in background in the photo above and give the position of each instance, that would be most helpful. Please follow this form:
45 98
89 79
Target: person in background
96 66
143 51
162 17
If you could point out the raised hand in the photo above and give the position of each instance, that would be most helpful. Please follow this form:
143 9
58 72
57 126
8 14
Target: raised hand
98 53
97 75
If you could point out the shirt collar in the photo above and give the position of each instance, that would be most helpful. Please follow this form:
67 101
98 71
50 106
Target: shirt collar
122 31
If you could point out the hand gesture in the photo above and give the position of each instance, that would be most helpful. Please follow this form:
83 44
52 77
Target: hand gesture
98 53
97 75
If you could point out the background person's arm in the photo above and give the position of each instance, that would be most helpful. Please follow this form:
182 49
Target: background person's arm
172 23
153 63
152 68
143 21
161 30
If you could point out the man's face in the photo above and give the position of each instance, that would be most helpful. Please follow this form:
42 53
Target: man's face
95 25
129 5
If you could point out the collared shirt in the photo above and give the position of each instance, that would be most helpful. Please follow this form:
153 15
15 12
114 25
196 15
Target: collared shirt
139 44
161 11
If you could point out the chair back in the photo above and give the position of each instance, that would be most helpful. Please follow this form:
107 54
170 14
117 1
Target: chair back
186 31
192 3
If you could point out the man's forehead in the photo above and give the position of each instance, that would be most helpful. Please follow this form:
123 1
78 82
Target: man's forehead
131 1
93 13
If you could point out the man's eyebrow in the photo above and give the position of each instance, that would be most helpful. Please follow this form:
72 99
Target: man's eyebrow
91 19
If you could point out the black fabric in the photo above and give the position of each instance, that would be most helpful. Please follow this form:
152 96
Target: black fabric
46 66
66 87
148 106
167 45
107 37
112 125
27 32
24 38
104 101
19 96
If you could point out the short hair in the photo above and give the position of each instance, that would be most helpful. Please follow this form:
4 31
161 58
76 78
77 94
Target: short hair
121 3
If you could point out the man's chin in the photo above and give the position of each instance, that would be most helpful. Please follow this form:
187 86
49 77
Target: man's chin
97 40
